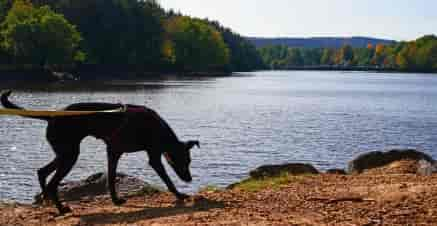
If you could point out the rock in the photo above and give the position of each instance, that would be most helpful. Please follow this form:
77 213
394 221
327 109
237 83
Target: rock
377 159
10 204
425 168
276 170
407 166
96 185
336 171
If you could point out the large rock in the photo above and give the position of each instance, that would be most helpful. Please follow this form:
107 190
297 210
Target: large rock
376 159
276 170
96 185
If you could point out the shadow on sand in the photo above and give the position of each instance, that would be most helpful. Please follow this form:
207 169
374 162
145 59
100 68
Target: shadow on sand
198 205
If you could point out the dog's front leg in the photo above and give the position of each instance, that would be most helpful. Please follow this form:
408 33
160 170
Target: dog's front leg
156 164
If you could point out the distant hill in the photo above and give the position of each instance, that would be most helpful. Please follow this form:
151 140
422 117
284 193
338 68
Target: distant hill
322 42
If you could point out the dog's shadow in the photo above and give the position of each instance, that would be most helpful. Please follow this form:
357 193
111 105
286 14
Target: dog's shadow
198 205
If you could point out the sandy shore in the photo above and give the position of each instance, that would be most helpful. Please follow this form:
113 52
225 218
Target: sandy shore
378 197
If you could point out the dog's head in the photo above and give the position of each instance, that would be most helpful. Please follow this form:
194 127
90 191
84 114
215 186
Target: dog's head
180 159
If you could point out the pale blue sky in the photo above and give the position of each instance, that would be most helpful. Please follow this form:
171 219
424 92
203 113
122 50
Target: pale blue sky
394 19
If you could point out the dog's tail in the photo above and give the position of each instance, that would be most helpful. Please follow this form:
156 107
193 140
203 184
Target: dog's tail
8 104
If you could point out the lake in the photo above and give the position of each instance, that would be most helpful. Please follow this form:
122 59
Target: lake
242 121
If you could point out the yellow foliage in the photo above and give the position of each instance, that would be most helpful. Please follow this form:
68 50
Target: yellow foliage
379 49
194 44
168 51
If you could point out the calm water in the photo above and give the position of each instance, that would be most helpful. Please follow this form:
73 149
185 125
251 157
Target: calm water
243 121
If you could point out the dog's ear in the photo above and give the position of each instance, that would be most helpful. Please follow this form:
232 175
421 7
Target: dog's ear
190 144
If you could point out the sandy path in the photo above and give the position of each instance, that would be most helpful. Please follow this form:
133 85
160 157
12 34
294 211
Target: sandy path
395 199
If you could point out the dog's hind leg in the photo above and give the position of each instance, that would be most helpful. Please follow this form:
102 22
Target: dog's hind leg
66 158
113 158
43 173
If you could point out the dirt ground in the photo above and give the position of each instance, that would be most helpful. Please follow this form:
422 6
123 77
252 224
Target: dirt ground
379 197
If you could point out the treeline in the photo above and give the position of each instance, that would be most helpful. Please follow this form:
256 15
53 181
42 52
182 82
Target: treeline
120 35
319 42
419 55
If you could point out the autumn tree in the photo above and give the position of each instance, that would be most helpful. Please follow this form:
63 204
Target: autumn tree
197 46
379 55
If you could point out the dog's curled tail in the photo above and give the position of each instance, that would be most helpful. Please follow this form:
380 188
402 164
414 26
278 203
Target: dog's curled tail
8 104
5 101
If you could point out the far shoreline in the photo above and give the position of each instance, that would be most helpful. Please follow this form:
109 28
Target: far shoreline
44 75
352 68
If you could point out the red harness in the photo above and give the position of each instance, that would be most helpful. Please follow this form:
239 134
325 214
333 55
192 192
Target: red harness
113 138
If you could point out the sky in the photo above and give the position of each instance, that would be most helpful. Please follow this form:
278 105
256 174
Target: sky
392 19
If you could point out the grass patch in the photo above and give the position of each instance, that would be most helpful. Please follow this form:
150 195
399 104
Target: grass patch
146 191
210 188
10 204
254 185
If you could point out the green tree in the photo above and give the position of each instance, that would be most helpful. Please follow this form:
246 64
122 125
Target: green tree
346 54
243 54
197 46
40 36
294 57
327 57
120 34
363 56
5 5
274 56
418 55
311 56
432 57
426 58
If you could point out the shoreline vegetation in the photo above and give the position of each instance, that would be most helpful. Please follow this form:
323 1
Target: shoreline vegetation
125 36
397 187
45 75
69 40
414 56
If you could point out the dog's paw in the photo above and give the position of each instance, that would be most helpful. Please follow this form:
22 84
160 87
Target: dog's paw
119 202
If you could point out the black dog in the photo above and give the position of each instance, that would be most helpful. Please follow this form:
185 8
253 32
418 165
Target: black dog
134 129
